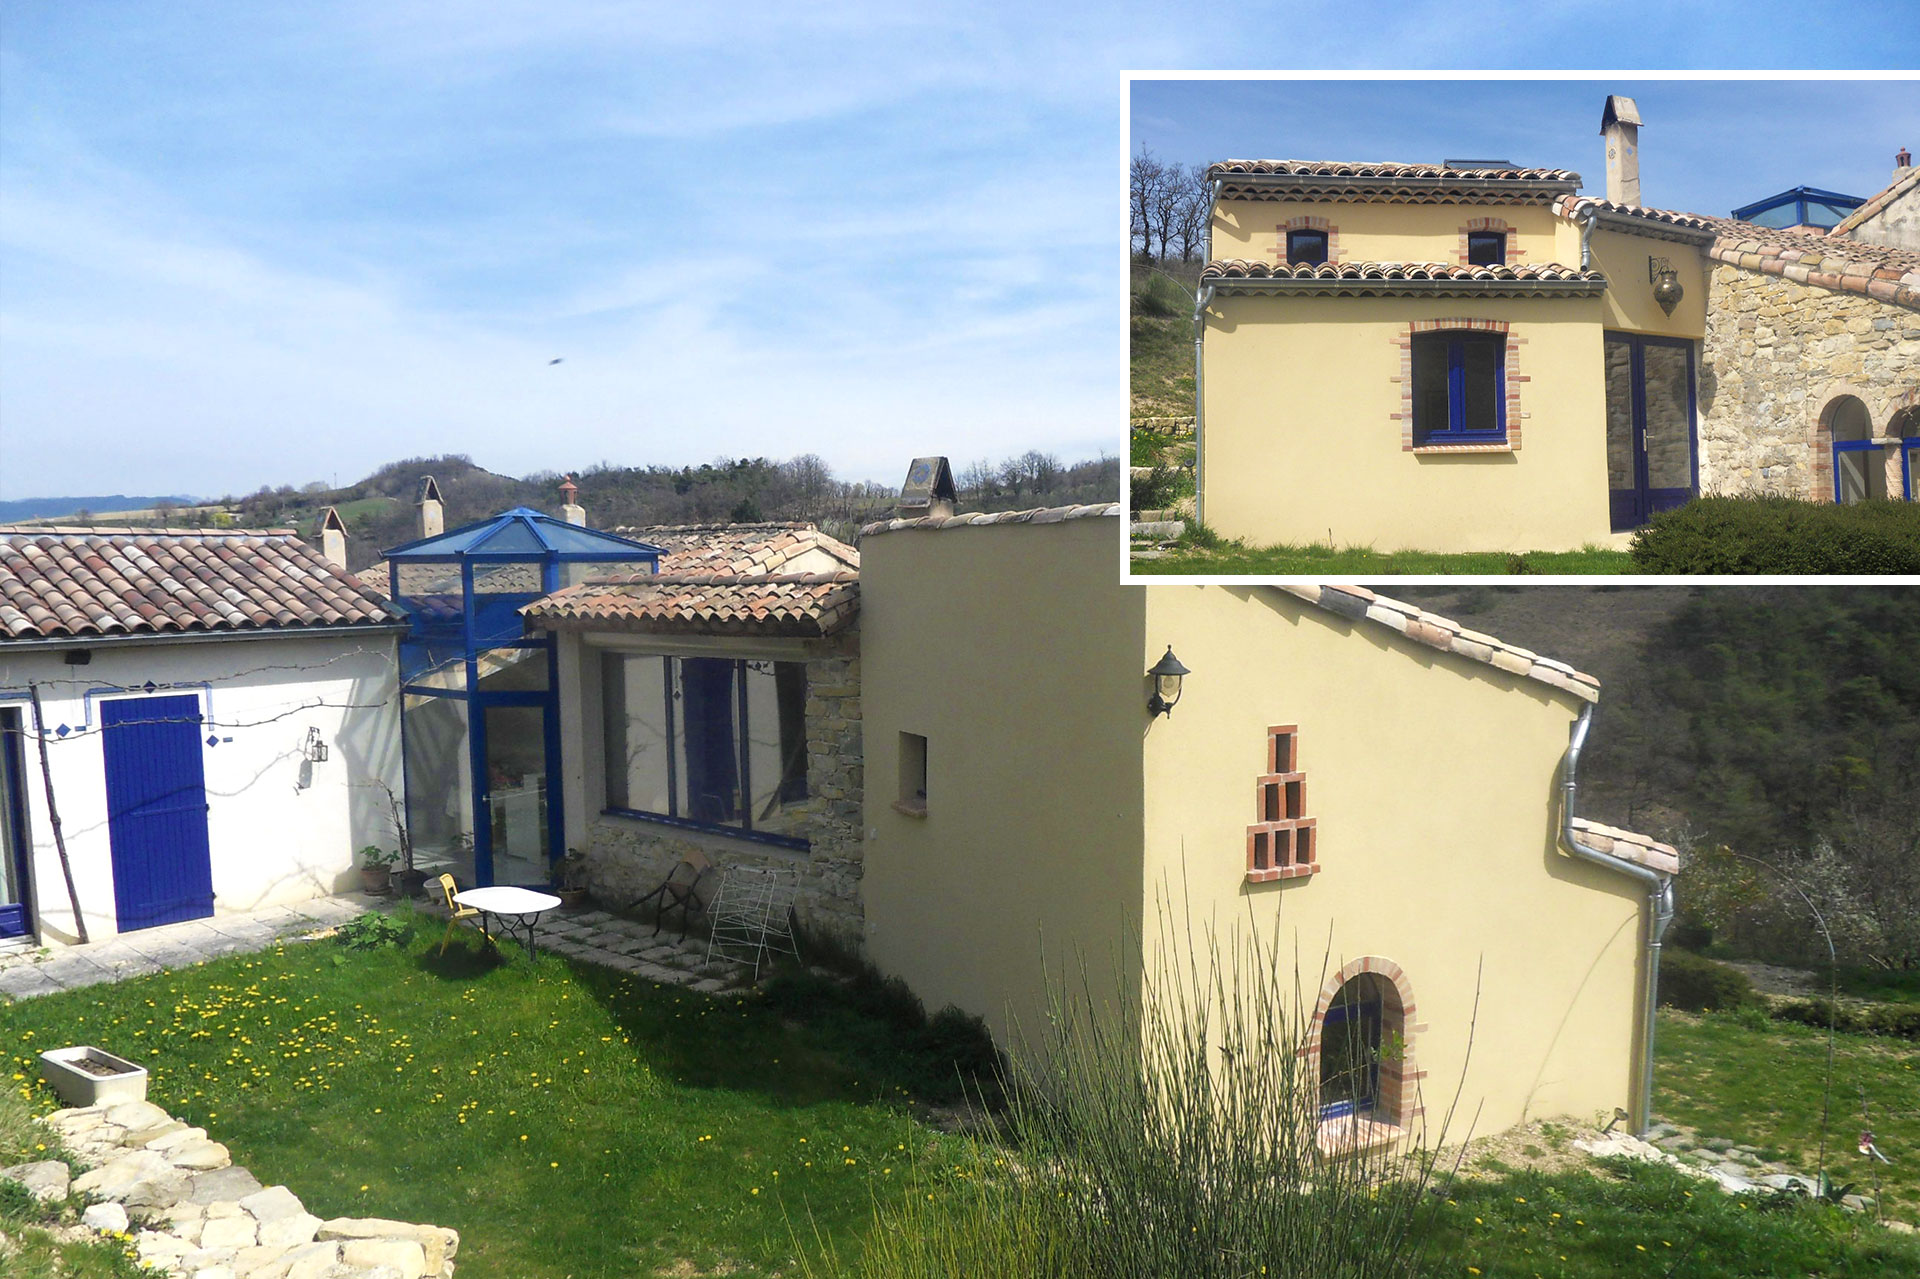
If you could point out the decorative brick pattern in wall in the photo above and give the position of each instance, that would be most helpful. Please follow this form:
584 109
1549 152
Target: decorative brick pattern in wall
1514 253
1283 842
1777 354
1308 223
627 857
1398 1100
1403 342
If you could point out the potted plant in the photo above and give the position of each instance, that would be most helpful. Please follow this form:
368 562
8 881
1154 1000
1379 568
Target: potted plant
411 877
572 889
376 869
87 1076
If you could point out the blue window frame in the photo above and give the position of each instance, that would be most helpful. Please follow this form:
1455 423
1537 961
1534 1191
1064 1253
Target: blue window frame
710 742
1306 248
1486 248
1459 387
1350 1053
1859 471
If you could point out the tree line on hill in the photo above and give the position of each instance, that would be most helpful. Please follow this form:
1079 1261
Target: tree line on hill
1781 728
380 510
1167 208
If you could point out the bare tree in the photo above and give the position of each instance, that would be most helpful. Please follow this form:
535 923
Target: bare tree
1190 218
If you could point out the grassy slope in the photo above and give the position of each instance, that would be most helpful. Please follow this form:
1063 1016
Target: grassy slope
565 1121
1161 345
1763 1087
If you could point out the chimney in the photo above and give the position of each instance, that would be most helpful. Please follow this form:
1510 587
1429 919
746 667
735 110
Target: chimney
1902 164
571 511
1620 125
929 489
432 519
333 538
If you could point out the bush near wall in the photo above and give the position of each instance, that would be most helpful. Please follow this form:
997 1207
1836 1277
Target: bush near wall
1699 985
1770 534
1898 1021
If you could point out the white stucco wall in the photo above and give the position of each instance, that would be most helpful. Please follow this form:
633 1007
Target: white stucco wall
280 829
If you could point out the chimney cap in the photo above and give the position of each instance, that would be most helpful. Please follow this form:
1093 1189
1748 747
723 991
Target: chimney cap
1903 158
568 489
330 522
1620 109
929 480
429 491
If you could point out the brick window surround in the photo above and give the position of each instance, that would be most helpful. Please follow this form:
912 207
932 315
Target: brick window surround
1283 842
1514 253
1305 223
1403 344
1397 1102
1832 398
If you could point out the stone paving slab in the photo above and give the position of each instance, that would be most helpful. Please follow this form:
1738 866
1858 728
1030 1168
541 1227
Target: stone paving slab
24 974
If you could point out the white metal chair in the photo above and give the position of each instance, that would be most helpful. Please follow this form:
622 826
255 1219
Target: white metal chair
752 914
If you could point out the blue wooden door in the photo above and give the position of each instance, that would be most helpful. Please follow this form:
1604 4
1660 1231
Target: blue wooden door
157 810
14 915
1652 454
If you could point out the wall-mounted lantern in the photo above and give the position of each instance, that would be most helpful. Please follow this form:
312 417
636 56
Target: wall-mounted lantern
1166 675
314 751
1666 284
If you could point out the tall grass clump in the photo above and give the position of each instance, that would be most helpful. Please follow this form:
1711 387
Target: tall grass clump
1179 1134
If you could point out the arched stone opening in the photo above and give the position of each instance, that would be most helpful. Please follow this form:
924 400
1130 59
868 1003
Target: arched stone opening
1859 465
1905 427
1361 1046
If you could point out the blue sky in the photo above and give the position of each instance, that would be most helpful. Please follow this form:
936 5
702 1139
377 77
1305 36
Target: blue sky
245 243
1707 146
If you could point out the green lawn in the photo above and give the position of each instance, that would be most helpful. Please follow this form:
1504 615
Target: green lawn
1232 558
566 1121
1762 1085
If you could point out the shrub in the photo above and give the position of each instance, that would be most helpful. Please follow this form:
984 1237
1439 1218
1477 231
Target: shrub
1895 1021
1699 985
954 1036
1772 534
373 930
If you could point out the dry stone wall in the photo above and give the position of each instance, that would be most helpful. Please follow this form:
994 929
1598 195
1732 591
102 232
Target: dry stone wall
628 857
1777 352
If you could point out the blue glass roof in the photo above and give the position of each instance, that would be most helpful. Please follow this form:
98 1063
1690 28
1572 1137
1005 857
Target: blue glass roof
527 534
1801 206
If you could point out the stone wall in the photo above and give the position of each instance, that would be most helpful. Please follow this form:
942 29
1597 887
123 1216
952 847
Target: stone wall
629 856
1777 354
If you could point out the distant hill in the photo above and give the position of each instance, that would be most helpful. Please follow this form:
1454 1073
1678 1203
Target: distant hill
53 508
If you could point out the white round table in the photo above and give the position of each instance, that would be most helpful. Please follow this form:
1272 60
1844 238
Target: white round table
515 908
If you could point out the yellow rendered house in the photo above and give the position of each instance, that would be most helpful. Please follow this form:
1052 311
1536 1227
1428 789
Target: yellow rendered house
1472 356
1352 777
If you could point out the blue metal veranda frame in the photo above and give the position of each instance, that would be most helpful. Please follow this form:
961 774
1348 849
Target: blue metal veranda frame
1455 343
525 537
1908 447
1867 446
1630 508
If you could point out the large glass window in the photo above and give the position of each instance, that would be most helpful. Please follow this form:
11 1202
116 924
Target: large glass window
1859 465
439 785
710 741
1459 387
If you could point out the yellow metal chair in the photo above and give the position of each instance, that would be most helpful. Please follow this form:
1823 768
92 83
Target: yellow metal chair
456 912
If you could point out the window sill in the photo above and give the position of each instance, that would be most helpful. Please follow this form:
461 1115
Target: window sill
1282 872
1483 446
1354 1135
905 809
724 833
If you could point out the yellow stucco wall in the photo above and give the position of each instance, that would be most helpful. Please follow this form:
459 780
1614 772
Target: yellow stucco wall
1433 780
1629 300
1379 232
1015 652
1301 443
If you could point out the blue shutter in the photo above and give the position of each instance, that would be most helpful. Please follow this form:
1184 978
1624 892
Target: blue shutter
157 810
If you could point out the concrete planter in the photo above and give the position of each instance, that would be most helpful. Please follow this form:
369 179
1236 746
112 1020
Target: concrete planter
85 1076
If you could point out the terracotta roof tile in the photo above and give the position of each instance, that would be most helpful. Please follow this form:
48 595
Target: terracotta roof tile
1389 183
1878 203
1040 515
740 549
1366 278
85 582
794 604
1446 635
1629 845
1807 257
1379 169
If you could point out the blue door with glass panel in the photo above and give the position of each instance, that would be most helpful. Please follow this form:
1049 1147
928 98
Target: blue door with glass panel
14 914
1652 463
157 810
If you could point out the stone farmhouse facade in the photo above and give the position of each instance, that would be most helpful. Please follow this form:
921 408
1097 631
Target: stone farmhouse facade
1481 358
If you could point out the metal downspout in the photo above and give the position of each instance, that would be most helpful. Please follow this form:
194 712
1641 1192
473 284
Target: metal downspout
1586 241
1659 904
1200 300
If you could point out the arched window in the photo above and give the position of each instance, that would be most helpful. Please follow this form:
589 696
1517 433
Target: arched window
1906 425
1351 1035
1859 465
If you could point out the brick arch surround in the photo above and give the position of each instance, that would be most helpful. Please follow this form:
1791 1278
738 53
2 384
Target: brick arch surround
1307 222
1514 253
1399 1099
1827 402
